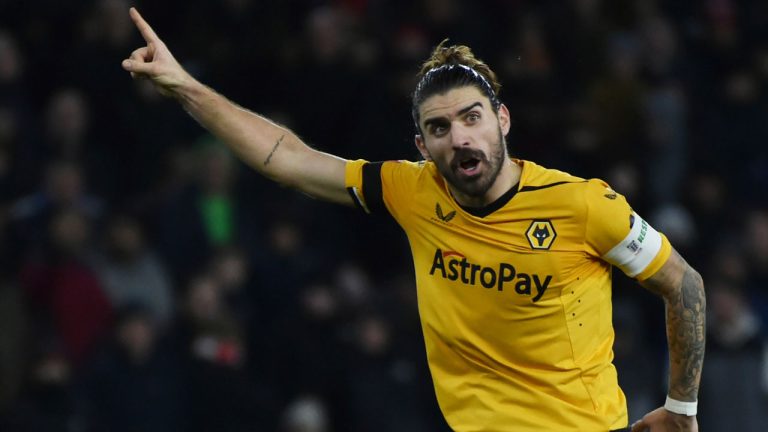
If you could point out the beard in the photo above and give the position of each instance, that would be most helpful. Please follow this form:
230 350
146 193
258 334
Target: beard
475 186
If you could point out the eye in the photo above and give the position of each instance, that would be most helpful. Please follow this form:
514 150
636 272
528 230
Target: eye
473 117
439 128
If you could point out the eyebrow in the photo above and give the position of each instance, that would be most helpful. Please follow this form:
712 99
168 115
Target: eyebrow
436 120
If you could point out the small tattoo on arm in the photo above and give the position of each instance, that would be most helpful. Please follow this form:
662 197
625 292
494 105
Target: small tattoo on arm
274 149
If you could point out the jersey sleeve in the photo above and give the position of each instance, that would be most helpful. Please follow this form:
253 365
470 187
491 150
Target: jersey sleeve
354 181
618 235
376 187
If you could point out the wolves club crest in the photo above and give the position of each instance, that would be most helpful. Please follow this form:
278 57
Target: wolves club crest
541 234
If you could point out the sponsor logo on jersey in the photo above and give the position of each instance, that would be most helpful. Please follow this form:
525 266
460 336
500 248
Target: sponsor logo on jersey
541 234
454 266
444 217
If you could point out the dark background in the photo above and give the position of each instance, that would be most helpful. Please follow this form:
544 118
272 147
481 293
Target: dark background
150 282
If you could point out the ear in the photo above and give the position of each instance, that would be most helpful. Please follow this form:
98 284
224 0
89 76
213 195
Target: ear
505 121
419 140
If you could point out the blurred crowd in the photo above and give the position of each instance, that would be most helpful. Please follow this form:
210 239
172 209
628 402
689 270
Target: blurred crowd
151 282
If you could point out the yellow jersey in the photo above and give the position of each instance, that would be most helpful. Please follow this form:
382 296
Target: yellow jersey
515 298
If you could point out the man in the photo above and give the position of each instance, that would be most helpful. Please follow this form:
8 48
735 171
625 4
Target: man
512 260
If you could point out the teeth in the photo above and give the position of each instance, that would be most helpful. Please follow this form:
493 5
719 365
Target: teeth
469 163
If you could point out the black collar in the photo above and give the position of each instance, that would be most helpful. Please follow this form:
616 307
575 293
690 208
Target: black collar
492 207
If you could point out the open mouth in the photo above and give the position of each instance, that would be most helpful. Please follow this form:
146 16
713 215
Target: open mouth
469 166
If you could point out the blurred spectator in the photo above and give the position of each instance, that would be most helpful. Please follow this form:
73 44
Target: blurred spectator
380 383
618 100
68 136
735 349
62 189
222 396
625 178
231 270
66 124
305 414
755 244
135 382
310 352
677 224
11 65
578 32
47 403
207 214
707 200
667 164
68 298
355 286
14 340
132 274
285 264
16 121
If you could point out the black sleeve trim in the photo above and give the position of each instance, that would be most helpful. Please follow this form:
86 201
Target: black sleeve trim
372 187
355 199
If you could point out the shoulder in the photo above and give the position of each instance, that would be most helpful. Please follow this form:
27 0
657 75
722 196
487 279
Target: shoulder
535 175
562 186
551 187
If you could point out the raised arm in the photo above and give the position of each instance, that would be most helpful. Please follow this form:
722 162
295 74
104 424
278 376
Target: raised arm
271 149
682 289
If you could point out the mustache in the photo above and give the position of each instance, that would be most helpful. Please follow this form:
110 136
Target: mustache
467 153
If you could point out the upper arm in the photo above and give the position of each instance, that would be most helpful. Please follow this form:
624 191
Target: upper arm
272 150
320 175
620 236
292 163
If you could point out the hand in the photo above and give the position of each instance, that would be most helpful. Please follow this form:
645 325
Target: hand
154 61
661 420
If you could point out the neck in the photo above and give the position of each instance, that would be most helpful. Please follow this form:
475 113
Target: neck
508 177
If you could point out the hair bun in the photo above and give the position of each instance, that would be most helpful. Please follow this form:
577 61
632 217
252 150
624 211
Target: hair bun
459 55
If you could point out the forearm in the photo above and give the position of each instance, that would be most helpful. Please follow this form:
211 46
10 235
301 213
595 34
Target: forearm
272 150
682 289
686 308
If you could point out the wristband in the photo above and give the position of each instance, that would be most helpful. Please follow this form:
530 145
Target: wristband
680 407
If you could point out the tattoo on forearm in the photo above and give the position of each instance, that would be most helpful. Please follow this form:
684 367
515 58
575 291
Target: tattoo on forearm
274 149
686 332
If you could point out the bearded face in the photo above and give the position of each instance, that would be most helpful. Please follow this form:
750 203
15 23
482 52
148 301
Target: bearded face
464 137
471 171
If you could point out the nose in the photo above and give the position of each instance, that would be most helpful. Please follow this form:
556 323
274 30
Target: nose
460 136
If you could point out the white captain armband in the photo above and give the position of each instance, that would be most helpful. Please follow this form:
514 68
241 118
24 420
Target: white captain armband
633 254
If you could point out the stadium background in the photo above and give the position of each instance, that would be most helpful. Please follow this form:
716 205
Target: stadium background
152 283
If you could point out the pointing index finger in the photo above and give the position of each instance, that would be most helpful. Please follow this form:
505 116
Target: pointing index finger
146 31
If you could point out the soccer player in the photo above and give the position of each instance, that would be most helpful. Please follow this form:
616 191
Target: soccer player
513 260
